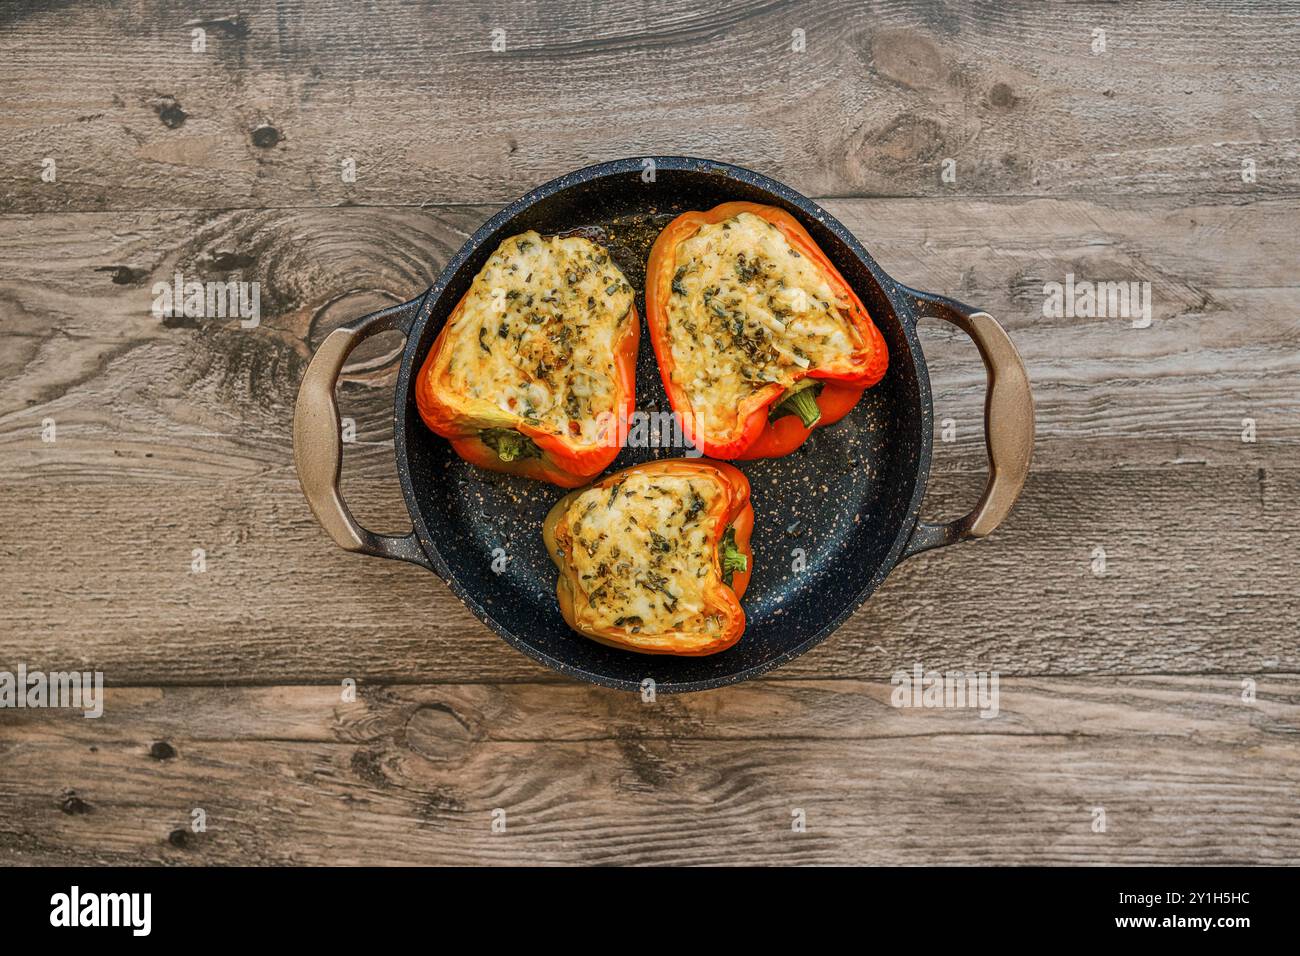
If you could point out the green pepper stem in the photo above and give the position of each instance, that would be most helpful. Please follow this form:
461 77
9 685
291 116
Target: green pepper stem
804 404
508 443
733 559
509 448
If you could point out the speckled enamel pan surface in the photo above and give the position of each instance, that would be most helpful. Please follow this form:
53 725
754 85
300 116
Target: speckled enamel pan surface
831 519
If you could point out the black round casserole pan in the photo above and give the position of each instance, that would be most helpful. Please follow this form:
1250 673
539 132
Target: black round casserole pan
832 518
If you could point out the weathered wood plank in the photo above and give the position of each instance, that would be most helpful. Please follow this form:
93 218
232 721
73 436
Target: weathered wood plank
415 94
1199 577
133 396
1185 771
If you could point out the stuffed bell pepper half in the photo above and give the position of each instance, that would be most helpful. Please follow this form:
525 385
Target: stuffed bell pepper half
759 338
535 366
655 558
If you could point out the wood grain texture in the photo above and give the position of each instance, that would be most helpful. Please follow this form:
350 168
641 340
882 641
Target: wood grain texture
1199 577
136 396
1183 769
880 95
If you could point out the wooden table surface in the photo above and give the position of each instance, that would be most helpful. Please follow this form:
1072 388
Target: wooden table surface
1124 689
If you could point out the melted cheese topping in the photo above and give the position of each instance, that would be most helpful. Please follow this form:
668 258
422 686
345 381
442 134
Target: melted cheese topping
643 553
746 310
537 331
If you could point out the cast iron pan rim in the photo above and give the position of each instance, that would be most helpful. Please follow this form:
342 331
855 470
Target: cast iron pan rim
898 297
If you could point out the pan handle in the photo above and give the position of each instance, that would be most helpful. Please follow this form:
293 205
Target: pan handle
318 446
1008 424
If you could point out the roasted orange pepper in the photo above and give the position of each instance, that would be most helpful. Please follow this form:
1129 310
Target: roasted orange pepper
485 434
655 558
773 420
